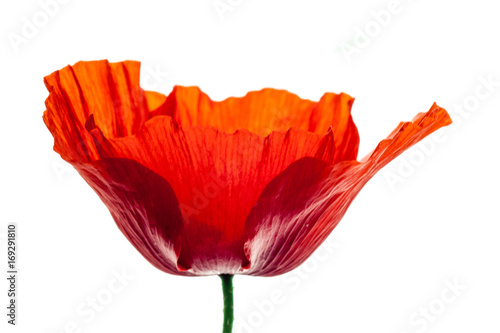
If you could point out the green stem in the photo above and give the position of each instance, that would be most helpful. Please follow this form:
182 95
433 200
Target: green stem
227 290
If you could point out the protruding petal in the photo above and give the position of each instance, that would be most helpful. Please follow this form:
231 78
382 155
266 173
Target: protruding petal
298 209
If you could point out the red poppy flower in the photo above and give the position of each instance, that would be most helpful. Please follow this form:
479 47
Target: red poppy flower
249 185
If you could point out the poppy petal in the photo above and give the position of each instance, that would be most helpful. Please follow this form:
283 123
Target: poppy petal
298 209
266 111
154 100
217 178
109 91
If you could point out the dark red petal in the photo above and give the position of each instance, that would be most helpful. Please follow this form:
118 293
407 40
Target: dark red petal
143 206
217 178
299 208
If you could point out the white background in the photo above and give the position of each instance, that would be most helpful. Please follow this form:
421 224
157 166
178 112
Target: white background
429 217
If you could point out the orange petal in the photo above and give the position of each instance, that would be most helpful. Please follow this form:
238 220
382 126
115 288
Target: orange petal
109 91
265 111
154 100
